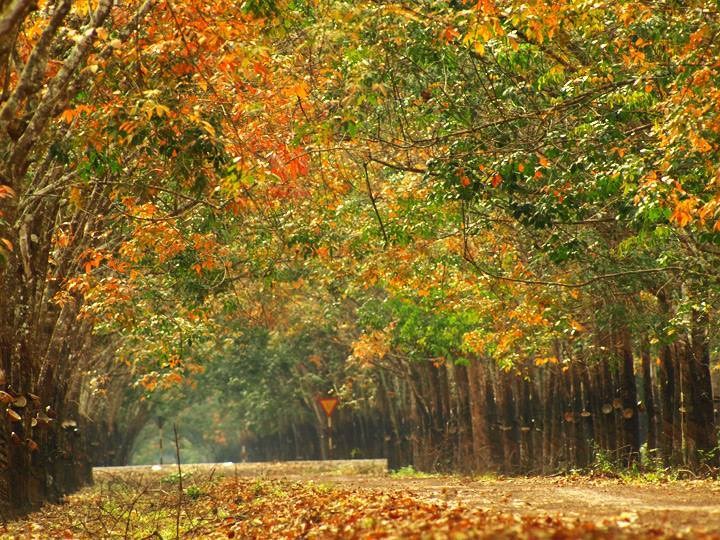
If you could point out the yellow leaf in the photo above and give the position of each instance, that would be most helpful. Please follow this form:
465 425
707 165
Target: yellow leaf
299 90
162 110
75 196
700 144
208 127
577 326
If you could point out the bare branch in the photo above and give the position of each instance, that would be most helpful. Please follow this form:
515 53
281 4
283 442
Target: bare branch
35 67
374 205
44 110
13 14
568 285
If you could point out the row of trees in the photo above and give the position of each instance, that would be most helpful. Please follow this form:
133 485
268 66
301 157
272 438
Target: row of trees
489 227
517 215
113 151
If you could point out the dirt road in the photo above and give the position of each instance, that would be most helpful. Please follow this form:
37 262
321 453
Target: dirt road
360 500
677 505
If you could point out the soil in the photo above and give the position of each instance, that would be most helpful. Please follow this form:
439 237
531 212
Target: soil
670 509
680 506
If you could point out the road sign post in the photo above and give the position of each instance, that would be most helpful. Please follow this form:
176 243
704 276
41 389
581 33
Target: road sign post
160 422
328 405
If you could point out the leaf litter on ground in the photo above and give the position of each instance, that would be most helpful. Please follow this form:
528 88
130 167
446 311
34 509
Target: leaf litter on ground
265 508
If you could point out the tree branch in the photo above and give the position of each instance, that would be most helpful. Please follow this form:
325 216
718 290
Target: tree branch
568 285
13 14
44 110
374 205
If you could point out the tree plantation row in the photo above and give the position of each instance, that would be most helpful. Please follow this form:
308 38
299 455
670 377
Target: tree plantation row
472 416
490 228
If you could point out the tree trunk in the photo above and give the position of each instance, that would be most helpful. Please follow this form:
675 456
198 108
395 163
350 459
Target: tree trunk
463 419
649 399
477 383
631 423
508 426
701 432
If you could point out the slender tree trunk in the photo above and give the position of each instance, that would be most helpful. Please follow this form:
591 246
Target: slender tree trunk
477 384
649 398
631 423
493 418
582 457
608 410
526 423
679 410
463 419
508 425
701 432
668 404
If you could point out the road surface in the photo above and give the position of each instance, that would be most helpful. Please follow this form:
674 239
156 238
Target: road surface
676 505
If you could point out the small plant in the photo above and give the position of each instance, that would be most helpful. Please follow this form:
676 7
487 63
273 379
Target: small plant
486 477
174 478
707 457
650 468
603 464
409 472
194 492
324 488
258 488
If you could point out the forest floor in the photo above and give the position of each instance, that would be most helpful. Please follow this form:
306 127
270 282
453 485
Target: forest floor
302 501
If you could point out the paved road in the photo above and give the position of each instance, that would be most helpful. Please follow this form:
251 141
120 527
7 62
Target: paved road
341 467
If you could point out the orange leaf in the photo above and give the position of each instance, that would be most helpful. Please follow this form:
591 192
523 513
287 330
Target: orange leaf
6 192
450 34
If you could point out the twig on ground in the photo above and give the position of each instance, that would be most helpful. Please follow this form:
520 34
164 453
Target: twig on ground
180 485
130 510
